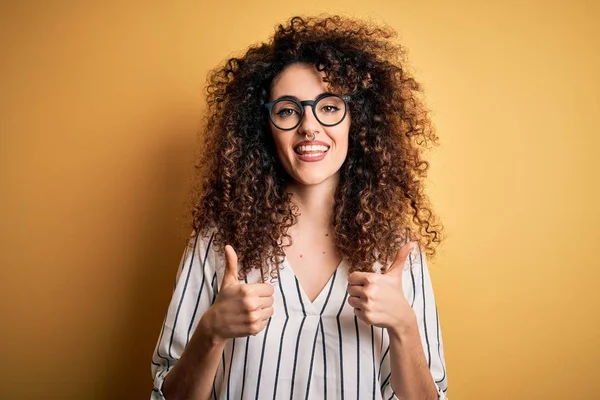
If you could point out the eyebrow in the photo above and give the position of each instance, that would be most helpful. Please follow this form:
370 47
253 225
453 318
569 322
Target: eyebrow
287 96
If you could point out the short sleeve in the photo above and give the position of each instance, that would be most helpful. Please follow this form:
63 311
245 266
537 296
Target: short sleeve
418 290
195 291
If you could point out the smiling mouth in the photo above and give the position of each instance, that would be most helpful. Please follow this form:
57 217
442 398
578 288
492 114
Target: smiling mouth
311 150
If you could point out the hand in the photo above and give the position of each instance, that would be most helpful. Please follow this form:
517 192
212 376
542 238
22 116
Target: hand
378 299
240 310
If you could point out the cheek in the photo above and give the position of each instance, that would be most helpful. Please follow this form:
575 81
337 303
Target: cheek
341 140
282 146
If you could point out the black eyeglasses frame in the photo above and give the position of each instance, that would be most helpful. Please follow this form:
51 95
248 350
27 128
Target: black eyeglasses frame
304 103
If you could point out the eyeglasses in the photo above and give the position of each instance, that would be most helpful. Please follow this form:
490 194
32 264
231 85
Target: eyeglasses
286 113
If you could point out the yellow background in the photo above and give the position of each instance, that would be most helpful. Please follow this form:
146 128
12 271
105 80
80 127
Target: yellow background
100 103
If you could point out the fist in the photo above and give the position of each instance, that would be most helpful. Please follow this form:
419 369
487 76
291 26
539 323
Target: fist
378 299
241 309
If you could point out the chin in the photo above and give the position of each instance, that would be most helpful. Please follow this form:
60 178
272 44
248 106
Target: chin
313 179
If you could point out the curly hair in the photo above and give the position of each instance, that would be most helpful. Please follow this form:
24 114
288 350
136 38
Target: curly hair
238 190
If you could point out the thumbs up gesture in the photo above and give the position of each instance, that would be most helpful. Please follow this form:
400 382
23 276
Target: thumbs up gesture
240 309
378 299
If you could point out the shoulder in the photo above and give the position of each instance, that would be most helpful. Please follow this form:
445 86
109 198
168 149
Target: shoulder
200 252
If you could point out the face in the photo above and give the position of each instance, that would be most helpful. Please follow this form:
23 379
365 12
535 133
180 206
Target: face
309 161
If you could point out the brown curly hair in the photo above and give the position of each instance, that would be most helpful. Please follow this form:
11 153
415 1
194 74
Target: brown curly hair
238 191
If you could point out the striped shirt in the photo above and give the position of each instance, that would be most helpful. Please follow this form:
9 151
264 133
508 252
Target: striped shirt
308 350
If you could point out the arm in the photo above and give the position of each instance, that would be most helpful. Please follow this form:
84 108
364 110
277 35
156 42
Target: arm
193 375
184 363
411 378
235 310
417 366
417 359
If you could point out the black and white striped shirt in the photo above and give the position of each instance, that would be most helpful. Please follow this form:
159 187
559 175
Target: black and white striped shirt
317 350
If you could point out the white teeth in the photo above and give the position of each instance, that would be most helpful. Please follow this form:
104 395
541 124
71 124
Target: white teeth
319 148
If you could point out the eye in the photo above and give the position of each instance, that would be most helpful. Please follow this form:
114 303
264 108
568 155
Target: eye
286 112
329 109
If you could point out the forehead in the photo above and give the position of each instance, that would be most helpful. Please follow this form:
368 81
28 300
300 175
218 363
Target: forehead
300 80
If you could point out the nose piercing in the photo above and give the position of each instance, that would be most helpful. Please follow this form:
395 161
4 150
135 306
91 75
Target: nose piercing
312 138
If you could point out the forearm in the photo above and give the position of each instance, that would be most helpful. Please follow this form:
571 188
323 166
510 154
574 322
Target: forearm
411 377
194 373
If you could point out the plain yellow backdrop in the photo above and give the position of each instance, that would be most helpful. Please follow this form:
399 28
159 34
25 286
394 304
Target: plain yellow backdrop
100 103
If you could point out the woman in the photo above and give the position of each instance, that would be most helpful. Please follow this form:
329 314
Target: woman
304 277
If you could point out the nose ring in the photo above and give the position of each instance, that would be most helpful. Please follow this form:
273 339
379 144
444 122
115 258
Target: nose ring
312 138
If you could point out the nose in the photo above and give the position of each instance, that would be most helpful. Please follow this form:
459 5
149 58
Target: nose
309 123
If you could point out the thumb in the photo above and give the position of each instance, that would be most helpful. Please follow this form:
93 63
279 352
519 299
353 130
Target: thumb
231 267
401 256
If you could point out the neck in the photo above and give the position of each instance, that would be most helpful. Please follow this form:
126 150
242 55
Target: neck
315 203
